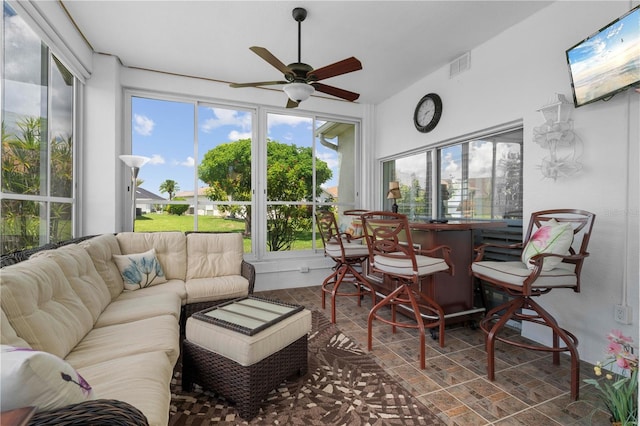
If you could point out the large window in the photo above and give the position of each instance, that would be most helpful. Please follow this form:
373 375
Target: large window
226 176
198 177
479 179
38 142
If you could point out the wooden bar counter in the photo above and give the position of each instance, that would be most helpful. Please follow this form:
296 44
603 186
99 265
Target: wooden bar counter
454 293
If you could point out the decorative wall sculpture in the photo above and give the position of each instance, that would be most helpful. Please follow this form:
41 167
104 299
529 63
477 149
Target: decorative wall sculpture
557 135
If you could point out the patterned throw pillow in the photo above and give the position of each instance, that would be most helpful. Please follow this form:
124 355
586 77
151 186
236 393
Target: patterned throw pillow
355 228
553 237
39 379
140 270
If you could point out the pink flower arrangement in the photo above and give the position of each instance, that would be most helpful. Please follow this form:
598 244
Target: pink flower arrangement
620 396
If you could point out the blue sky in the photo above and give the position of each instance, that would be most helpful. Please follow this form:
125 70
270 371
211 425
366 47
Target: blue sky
597 53
164 132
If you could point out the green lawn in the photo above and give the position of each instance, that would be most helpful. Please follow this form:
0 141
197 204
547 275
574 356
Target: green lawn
169 222
154 222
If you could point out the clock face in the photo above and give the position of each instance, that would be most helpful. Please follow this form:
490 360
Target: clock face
427 113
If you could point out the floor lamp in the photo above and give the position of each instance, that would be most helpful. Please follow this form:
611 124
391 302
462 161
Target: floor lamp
134 162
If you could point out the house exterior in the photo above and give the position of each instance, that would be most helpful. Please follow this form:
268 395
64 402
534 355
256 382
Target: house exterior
147 201
204 206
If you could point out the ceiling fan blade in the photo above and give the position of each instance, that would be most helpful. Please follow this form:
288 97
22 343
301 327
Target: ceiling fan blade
342 67
257 83
275 62
334 91
292 104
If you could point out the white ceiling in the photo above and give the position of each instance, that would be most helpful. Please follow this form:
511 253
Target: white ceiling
398 42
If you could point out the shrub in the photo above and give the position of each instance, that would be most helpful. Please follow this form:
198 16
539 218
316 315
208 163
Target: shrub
177 209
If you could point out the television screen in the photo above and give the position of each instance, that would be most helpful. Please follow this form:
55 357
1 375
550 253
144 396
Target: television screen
606 62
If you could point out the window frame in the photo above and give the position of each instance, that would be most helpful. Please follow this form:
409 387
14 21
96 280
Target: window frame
44 198
432 152
259 133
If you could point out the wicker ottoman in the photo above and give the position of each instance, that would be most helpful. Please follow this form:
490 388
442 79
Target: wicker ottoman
245 348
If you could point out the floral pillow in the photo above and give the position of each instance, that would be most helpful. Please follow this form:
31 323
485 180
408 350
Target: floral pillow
553 237
140 270
40 379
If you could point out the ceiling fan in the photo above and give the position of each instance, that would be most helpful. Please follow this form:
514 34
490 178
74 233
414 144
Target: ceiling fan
300 79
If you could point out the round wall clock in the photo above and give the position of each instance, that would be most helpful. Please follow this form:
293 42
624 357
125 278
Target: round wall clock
427 113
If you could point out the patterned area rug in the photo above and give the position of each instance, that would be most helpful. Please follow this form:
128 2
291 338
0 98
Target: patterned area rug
343 386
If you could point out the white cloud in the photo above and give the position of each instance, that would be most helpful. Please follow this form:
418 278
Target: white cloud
143 125
235 135
22 51
189 162
226 117
156 159
452 169
289 120
480 159
331 158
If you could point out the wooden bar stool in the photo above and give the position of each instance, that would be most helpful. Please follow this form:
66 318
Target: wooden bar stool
348 252
556 246
391 252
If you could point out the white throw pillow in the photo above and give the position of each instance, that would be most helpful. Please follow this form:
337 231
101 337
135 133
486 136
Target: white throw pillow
140 270
39 379
553 237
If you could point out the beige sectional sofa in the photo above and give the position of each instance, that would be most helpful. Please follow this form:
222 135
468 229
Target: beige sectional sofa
71 302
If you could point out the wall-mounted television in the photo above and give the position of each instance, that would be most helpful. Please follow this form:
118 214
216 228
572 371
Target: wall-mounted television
606 62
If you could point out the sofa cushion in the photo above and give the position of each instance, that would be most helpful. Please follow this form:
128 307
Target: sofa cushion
123 310
171 249
218 288
39 379
101 250
77 266
9 336
141 380
214 254
42 307
170 287
140 270
159 333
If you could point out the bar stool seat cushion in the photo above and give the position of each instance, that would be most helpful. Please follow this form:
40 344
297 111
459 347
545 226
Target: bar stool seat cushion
516 272
403 266
351 249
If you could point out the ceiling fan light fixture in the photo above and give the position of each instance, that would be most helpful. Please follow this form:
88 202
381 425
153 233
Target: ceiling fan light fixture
299 92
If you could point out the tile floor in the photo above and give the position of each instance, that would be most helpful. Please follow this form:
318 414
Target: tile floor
528 390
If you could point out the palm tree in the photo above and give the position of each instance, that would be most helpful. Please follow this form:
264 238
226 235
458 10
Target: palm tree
169 186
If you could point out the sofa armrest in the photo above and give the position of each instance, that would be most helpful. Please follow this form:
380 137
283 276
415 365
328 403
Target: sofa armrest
104 412
249 272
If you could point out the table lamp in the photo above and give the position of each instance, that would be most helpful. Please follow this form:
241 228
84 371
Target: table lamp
394 194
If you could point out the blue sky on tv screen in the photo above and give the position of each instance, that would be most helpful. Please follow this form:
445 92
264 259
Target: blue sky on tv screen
608 60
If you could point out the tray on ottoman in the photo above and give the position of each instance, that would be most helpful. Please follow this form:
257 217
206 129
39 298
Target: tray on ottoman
245 348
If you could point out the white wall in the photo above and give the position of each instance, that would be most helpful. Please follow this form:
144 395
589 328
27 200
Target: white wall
512 76
103 176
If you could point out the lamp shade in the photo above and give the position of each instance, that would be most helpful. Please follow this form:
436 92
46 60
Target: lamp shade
394 190
299 91
134 160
